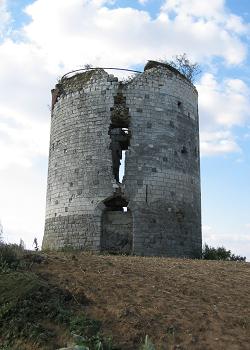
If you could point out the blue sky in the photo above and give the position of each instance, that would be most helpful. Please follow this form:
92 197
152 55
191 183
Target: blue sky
41 40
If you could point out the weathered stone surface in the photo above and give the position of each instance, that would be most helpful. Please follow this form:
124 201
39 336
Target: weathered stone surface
154 118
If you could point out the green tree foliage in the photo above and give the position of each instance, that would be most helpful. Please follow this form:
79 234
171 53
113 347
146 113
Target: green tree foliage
220 253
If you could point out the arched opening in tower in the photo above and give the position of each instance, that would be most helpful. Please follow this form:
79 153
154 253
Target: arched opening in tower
117 226
120 134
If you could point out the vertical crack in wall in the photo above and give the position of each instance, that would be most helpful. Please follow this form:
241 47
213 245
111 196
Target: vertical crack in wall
119 132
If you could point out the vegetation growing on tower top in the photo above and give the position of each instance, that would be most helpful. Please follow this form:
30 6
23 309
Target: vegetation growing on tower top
191 70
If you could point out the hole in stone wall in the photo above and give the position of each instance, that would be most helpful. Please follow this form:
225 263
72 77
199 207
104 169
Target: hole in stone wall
116 203
125 130
184 150
119 144
119 134
116 151
122 167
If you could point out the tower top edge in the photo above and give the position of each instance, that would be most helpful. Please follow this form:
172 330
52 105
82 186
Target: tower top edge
85 74
156 64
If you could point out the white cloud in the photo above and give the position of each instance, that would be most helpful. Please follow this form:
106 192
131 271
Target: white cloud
226 103
209 27
25 80
221 106
205 9
4 17
208 234
235 24
22 205
143 2
213 11
25 83
217 143
21 142
76 32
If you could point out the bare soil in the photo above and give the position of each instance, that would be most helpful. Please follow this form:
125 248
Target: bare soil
179 304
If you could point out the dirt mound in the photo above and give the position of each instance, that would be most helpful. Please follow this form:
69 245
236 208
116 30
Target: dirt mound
179 304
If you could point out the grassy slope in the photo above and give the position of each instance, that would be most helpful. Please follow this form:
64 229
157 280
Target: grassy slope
180 304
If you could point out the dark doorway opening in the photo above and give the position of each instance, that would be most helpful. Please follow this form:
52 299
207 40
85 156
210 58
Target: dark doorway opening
117 226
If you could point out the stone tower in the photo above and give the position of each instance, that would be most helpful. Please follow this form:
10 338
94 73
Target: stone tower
152 121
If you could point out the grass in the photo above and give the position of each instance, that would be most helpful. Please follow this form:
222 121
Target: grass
30 308
34 313
27 305
88 333
104 302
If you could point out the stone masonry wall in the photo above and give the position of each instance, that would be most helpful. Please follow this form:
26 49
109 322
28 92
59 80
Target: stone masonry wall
161 186
80 163
162 179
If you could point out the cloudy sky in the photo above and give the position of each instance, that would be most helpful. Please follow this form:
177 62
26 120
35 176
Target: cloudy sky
40 40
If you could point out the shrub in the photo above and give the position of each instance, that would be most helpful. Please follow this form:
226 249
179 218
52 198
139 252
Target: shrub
220 253
10 256
88 333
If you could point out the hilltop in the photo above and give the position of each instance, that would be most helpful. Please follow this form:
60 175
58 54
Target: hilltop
179 304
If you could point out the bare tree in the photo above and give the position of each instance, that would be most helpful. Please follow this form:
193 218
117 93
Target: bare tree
21 244
182 63
1 232
88 66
